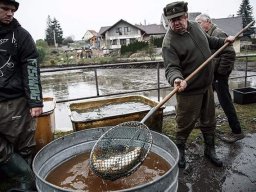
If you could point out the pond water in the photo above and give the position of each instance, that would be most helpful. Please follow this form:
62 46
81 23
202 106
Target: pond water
81 83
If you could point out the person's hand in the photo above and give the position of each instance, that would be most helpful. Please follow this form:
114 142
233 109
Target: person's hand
230 39
35 112
181 84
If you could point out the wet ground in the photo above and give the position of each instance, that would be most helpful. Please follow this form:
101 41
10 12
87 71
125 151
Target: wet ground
237 175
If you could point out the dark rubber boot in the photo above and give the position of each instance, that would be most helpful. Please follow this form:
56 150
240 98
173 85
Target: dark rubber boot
16 166
182 160
209 151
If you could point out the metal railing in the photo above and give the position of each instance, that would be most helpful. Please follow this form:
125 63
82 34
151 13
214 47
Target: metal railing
148 64
245 76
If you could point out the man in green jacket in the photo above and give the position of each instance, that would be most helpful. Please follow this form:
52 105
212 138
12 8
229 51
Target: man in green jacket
185 47
224 64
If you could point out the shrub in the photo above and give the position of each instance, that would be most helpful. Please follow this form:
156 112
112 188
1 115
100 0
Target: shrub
41 43
52 62
253 40
158 42
54 51
42 53
133 47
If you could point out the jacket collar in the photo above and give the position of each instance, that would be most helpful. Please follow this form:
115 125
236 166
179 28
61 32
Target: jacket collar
210 31
10 27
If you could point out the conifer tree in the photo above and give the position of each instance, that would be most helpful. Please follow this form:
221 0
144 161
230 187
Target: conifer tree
246 11
54 33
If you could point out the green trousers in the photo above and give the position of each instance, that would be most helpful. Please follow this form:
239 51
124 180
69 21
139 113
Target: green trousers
192 109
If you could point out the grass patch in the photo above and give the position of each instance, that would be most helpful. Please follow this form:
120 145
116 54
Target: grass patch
245 113
59 134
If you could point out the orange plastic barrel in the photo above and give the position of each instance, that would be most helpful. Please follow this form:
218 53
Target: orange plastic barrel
45 124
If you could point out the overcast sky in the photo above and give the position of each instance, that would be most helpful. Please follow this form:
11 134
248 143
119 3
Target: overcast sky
78 16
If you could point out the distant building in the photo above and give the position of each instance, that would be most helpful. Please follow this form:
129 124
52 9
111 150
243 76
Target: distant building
124 33
91 38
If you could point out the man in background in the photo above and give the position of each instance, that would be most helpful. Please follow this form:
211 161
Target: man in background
20 98
224 64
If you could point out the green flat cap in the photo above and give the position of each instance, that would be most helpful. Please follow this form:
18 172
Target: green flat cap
175 9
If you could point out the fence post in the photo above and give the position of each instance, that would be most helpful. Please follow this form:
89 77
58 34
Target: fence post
96 81
246 66
158 81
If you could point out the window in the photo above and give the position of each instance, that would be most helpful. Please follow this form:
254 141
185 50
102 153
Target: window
132 40
122 41
126 30
119 30
114 42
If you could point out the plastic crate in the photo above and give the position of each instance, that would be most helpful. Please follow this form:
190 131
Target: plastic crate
244 95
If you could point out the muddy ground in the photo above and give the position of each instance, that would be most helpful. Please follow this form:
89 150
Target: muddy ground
237 175
239 171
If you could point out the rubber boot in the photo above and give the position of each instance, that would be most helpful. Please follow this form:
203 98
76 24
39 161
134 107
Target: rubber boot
209 150
182 160
16 166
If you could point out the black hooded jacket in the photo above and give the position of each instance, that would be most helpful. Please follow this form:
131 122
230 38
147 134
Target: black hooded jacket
19 70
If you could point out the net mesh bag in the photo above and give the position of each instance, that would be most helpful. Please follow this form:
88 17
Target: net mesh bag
120 150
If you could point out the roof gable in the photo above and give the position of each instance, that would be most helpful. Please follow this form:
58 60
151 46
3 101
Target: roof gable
230 25
94 33
103 30
89 34
152 29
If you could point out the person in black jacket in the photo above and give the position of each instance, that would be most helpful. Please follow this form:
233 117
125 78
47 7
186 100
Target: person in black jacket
185 47
20 97
224 64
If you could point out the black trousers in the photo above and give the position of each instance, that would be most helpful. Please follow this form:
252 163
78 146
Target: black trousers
220 85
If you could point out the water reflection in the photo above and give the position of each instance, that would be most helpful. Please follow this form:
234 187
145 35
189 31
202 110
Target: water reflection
68 85
81 83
